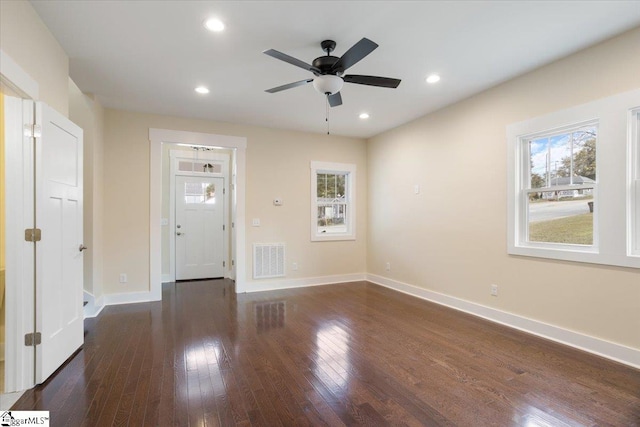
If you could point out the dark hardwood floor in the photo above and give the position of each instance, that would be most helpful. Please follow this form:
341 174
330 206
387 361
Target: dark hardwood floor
331 355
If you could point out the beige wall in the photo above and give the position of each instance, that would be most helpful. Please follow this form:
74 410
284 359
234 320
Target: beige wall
87 113
25 38
277 166
451 238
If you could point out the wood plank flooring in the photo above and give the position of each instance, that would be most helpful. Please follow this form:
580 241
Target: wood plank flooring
348 354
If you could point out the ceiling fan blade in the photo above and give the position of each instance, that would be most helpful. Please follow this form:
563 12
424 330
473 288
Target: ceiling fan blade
358 51
291 60
335 99
289 86
372 81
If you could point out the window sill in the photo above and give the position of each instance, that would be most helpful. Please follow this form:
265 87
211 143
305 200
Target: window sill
332 238
587 255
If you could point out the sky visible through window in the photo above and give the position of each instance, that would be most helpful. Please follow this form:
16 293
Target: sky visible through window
563 155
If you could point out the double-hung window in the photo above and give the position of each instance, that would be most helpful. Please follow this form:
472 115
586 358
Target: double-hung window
634 183
559 188
574 183
333 201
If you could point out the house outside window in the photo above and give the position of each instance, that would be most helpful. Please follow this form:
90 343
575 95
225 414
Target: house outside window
332 201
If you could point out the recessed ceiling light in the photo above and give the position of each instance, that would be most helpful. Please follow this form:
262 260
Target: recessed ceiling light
214 24
203 90
364 116
433 78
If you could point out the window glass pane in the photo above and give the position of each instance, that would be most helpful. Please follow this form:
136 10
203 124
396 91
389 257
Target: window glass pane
584 156
566 158
207 167
638 146
185 166
199 192
199 166
331 218
561 216
331 202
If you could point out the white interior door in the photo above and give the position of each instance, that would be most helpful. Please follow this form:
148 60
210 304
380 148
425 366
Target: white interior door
199 227
59 311
19 254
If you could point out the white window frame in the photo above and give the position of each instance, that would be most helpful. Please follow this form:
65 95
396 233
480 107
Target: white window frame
349 170
524 180
633 212
613 192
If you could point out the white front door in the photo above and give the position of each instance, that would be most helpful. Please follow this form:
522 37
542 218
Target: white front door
59 310
199 227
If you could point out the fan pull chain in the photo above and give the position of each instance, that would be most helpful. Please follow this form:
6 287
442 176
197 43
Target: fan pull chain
327 115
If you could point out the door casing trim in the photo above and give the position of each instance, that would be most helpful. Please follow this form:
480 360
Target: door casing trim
238 145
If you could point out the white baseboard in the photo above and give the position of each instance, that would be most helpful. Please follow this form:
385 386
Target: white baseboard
619 353
274 284
94 306
129 298
7 400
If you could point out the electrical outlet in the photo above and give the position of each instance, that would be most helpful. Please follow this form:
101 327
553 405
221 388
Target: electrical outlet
494 290
123 277
294 266
255 222
387 266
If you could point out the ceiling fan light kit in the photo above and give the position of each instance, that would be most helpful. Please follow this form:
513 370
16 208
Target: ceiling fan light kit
328 84
329 70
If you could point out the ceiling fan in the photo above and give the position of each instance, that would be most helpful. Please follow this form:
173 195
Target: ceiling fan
329 70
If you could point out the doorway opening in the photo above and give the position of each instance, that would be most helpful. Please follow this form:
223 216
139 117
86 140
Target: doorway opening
196 227
164 139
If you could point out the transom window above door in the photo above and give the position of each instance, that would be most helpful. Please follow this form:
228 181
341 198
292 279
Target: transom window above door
203 166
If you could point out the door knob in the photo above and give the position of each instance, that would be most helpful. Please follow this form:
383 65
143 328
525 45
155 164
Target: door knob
82 247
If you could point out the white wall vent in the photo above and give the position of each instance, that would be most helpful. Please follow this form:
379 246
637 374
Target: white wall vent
268 260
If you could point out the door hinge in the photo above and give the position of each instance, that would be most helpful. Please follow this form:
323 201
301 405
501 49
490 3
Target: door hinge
224 263
224 191
233 262
223 227
32 339
32 235
233 224
32 131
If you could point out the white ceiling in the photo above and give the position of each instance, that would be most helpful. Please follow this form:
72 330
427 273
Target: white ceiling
148 56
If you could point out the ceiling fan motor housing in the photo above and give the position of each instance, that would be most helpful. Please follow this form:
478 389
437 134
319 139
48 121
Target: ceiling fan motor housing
325 63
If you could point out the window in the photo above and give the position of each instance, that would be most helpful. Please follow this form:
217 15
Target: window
199 192
568 189
634 183
559 187
332 201
199 166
